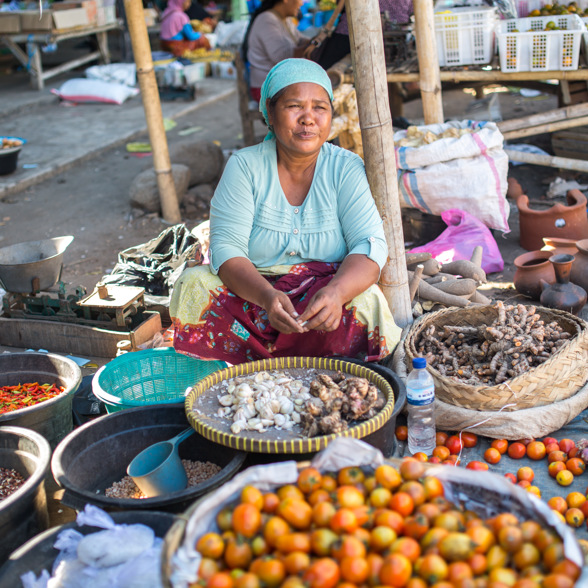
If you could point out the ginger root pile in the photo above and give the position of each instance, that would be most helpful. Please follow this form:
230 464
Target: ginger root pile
516 341
416 137
336 401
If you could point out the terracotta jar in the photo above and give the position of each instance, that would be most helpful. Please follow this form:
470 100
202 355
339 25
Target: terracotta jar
531 268
567 222
557 245
563 295
579 273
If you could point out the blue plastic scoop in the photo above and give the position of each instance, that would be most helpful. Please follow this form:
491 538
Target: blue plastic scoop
158 469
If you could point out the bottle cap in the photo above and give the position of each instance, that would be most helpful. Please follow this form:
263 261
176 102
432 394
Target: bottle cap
419 363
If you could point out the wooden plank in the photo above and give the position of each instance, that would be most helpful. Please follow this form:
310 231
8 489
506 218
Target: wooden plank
72 338
543 117
546 128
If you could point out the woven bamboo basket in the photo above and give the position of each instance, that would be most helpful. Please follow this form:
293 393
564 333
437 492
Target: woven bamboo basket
205 421
560 377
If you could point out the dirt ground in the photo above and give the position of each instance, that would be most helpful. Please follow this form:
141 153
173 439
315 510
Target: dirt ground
90 201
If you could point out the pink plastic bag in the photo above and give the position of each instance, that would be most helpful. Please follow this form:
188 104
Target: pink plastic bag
457 241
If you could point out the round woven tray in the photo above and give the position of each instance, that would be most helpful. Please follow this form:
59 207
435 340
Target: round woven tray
560 377
202 404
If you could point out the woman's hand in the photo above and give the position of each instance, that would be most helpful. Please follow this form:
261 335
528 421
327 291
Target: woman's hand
324 310
281 313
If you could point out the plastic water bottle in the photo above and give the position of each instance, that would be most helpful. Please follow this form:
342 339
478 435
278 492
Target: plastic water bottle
420 391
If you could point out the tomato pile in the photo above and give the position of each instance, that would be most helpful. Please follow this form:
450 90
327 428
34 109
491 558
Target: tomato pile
24 395
388 527
563 459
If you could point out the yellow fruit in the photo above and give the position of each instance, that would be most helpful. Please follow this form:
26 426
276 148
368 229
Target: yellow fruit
456 546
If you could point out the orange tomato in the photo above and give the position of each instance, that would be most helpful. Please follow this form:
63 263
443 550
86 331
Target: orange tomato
396 570
380 497
536 450
349 496
388 476
296 562
441 452
528 555
567 568
402 503
274 528
207 568
246 519
381 538
516 450
271 572
576 466
433 488
350 475
557 581
558 503
329 482
220 580
411 469
510 538
557 456
469 439
483 537
344 521
525 473
416 491
566 445
224 519
555 467
574 517
238 554
440 438
390 518
322 573
478 563
270 502
309 479
211 545
348 546
297 513
401 433
406 546
354 569
252 495
322 541
492 455
433 568
322 513
420 456
320 495
247 580
500 444
549 448
293 542
416 526
575 499
459 570
289 491
477 465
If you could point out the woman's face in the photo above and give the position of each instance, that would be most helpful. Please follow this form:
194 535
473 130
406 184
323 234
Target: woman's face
293 7
301 118
187 4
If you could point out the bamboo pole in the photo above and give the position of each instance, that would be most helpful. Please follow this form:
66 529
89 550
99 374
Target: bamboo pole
375 121
152 106
533 120
426 44
547 160
490 76
547 128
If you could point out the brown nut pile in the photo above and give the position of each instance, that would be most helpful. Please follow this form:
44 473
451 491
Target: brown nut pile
10 143
516 341
338 400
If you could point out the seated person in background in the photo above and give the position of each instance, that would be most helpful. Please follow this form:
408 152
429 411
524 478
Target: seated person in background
177 34
271 37
296 243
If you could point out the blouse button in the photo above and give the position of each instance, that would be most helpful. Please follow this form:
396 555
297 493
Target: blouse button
296 211
295 231
292 253
371 239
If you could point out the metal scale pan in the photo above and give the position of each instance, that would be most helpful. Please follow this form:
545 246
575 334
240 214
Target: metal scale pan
32 266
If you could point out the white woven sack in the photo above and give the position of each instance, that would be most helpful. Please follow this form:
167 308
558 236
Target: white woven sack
468 173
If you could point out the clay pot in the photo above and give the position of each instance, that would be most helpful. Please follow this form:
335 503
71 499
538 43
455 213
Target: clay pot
563 295
579 273
557 246
567 222
532 267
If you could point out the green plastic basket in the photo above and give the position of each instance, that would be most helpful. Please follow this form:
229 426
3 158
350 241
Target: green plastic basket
153 376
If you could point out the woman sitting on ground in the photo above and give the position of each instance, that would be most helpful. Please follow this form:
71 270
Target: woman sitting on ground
177 34
296 243
271 37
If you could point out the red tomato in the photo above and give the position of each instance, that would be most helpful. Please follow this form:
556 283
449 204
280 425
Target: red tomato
477 465
511 477
454 444
322 573
566 445
469 439
500 444
549 440
492 455
516 450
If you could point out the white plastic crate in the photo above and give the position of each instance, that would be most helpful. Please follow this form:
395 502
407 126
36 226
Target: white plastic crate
465 36
525 45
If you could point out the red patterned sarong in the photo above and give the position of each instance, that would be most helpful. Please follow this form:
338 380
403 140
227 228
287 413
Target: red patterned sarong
211 322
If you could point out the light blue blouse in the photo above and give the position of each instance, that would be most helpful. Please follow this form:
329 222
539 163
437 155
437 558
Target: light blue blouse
251 217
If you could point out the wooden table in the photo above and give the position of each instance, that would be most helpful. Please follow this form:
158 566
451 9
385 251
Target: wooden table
31 58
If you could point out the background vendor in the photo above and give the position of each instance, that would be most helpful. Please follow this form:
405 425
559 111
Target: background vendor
177 33
271 37
296 243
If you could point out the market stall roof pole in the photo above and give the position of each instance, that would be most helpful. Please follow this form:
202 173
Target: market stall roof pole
375 121
152 107
429 76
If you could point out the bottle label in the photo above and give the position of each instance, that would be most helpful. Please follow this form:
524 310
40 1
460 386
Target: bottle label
421 397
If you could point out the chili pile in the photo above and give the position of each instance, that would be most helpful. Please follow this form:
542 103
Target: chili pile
24 395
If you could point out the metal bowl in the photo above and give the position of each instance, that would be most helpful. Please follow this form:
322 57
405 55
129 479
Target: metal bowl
20 264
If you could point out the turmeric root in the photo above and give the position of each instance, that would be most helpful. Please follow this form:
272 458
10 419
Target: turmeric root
516 341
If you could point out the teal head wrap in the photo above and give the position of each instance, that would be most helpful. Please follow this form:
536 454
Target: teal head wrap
288 72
